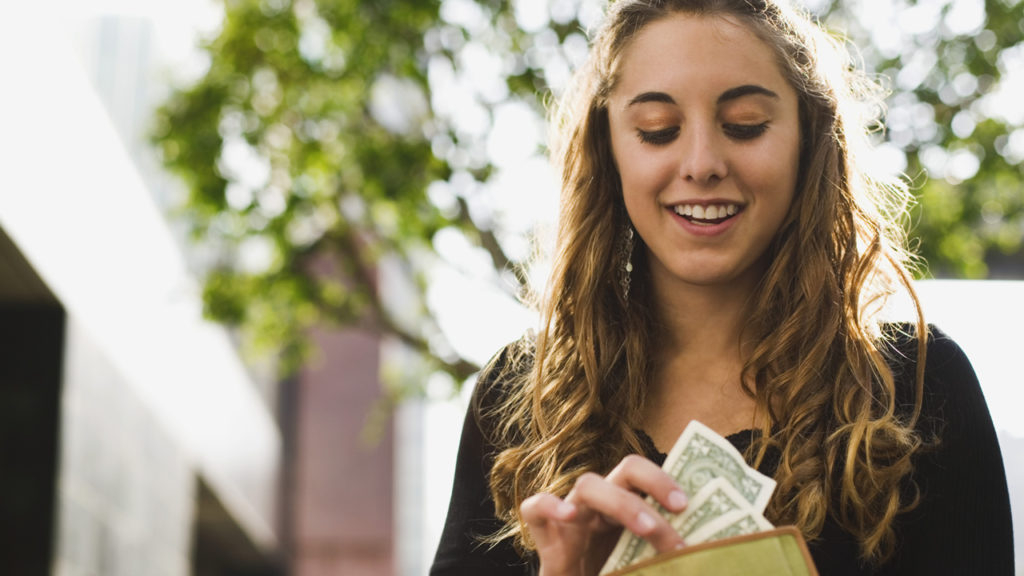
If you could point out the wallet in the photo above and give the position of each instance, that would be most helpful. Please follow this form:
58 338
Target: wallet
778 552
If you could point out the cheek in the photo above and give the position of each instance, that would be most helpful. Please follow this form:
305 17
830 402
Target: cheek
641 170
783 175
781 189
794 145
783 193
626 162
777 165
789 177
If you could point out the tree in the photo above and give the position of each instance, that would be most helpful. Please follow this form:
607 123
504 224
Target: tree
325 141
955 69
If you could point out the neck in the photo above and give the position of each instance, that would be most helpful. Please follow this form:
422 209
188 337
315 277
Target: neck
699 360
705 322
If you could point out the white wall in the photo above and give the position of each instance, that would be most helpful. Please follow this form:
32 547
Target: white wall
74 203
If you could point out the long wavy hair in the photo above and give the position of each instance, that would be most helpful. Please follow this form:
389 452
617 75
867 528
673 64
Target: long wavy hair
819 372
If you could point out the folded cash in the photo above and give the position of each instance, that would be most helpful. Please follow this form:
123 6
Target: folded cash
727 497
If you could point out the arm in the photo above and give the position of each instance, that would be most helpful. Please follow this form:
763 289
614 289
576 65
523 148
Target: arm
471 509
574 534
962 525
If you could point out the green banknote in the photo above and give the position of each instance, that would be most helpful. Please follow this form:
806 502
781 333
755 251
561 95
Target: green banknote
726 495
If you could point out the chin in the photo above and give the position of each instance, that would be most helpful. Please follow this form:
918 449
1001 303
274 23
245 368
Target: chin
710 277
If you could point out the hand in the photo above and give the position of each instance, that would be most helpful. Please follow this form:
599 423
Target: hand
574 536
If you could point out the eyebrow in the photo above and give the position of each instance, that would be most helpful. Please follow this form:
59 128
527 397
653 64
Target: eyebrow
746 90
730 94
651 97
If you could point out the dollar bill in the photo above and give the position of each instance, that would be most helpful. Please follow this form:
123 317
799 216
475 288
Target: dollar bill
701 458
701 455
715 500
736 523
629 549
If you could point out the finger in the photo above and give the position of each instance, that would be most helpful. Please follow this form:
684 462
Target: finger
640 474
624 507
539 509
553 526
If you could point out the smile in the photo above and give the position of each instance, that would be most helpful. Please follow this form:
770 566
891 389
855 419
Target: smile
707 214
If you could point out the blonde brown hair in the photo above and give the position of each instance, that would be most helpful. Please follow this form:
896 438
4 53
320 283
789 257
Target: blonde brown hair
574 399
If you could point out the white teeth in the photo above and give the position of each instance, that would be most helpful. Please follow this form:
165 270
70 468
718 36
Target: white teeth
711 212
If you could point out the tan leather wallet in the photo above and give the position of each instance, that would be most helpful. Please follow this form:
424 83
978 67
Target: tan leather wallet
778 552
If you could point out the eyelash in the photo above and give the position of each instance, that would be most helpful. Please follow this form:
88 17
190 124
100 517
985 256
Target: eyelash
734 131
745 131
658 137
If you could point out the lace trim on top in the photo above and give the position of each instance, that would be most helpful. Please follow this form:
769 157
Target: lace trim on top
741 440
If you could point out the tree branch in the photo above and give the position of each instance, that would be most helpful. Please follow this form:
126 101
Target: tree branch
383 321
489 242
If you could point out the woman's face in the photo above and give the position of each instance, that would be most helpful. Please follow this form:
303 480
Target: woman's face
705 134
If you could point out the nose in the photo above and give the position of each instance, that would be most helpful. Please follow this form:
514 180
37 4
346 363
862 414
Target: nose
703 160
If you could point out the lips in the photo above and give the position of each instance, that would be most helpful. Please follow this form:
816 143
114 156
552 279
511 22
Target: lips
707 213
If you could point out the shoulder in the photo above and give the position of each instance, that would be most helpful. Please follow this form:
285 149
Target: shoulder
499 380
952 400
947 370
961 522
901 341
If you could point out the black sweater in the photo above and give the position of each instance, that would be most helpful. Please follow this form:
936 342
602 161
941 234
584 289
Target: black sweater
961 526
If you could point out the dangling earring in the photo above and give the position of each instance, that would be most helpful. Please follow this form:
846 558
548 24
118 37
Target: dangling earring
626 257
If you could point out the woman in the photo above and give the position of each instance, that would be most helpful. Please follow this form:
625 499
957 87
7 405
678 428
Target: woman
722 257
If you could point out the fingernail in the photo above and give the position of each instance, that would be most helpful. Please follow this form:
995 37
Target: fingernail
681 545
677 500
645 522
565 510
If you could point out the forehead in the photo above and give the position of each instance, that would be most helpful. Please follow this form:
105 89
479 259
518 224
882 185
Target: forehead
696 53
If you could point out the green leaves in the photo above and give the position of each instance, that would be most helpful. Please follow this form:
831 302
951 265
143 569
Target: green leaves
949 115
309 146
280 145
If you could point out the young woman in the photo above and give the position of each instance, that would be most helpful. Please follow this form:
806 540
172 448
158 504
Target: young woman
722 256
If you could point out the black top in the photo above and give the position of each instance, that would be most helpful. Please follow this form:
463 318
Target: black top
962 525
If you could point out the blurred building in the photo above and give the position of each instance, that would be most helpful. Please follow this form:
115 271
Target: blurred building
133 439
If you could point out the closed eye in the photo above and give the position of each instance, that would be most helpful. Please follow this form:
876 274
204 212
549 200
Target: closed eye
658 137
744 131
